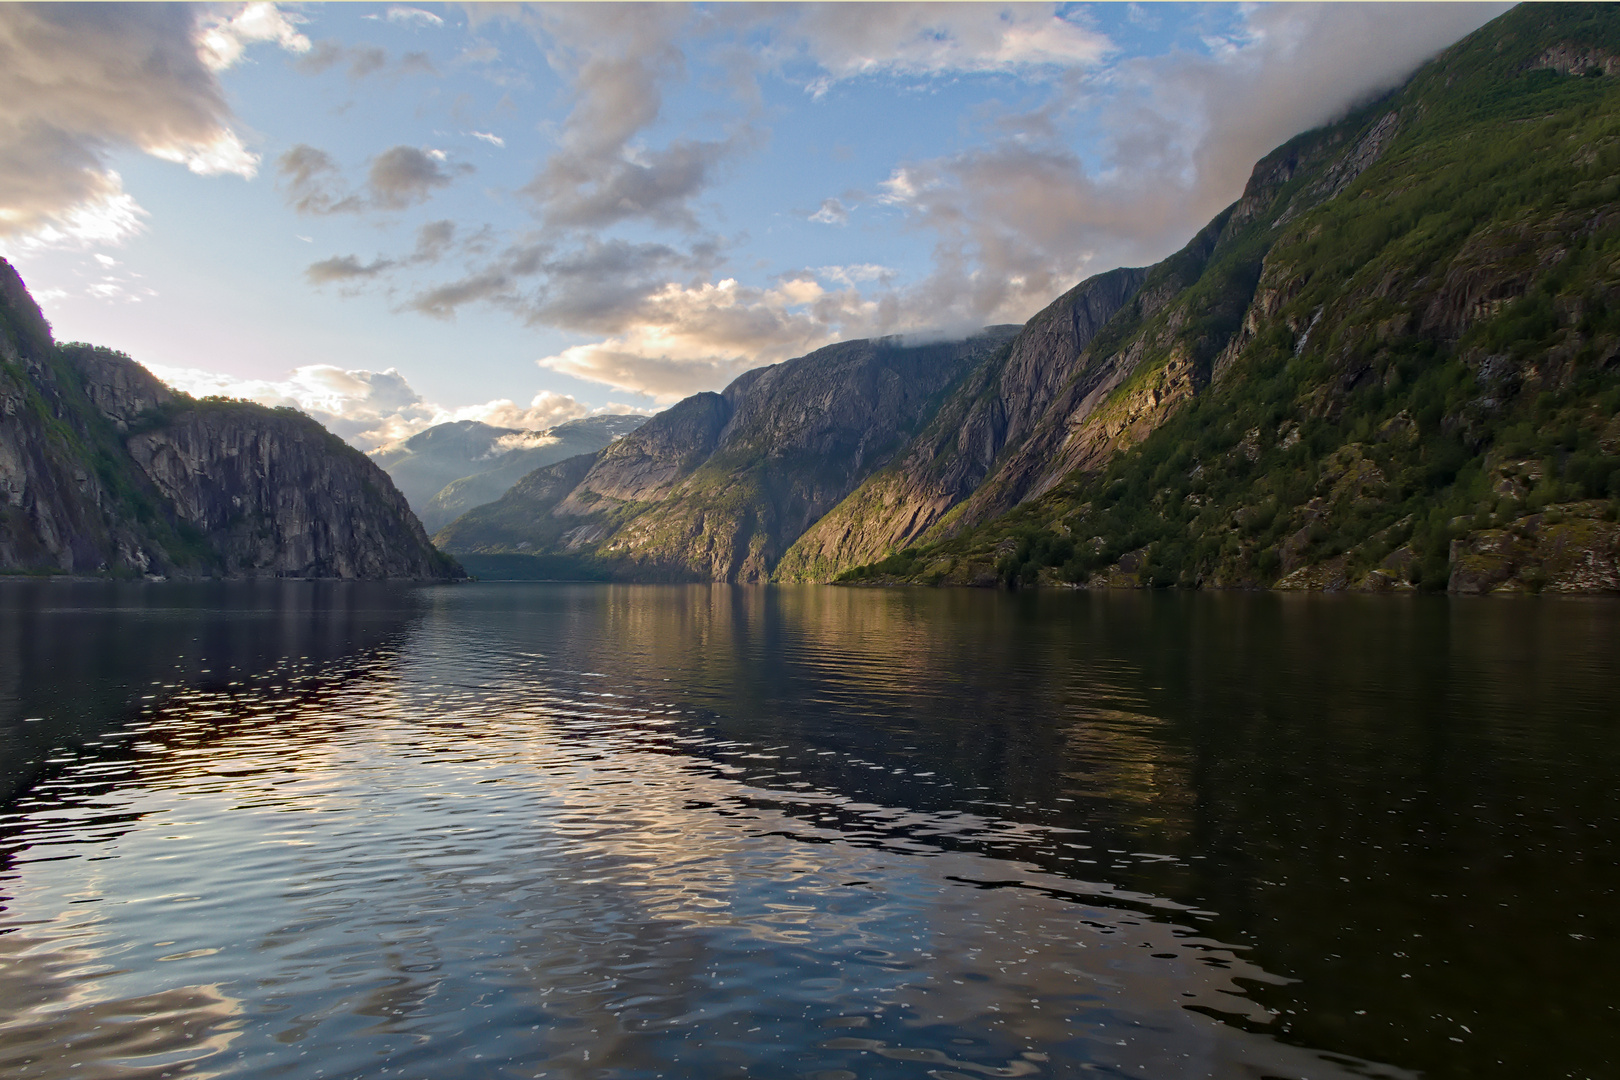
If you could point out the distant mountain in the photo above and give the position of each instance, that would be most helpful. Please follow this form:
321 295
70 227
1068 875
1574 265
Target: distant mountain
720 485
451 468
104 470
1394 363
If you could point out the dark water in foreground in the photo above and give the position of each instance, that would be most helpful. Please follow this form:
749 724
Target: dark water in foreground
299 830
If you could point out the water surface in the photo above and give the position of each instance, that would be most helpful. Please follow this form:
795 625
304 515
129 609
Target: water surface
301 830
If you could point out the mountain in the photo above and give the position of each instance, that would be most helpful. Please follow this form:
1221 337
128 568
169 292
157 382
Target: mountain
720 485
103 469
989 416
1394 363
451 468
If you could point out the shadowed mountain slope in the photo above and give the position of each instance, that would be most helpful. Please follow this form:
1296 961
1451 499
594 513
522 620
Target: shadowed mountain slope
104 470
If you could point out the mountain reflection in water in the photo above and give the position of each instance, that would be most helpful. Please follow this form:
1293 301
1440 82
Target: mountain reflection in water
605 831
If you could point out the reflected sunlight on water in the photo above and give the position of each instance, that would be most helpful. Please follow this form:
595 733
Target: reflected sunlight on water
601 831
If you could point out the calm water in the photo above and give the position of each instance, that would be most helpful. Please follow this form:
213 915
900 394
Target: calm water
299 830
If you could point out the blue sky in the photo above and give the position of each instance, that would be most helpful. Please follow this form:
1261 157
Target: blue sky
394 215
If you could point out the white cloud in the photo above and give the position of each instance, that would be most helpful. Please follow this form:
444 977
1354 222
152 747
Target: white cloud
409 16
370 409
108 218
223 155
683 339
852 40
857 273
222 38
79 82
901 187
832 212
545 410
493 140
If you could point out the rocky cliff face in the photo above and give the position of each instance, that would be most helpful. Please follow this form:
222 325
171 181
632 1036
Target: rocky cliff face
56 511
1092 375
103 469
720 485
648 464
984 422
1394 362
275 494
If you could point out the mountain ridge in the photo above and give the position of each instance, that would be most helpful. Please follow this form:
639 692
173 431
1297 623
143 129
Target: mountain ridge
104 470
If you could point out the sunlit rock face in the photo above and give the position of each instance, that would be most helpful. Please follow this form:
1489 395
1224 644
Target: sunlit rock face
991 415
103 469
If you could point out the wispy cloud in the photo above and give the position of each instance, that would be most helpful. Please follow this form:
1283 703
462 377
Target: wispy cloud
405 175
832 212
343 269
410 16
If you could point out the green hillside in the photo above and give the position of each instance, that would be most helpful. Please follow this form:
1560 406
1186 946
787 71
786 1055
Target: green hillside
1400 358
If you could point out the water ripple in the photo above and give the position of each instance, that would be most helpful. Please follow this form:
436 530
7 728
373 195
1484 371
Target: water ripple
514 844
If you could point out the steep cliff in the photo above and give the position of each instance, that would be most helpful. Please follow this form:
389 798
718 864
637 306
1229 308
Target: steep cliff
718 486
1394 363
103 469
984 421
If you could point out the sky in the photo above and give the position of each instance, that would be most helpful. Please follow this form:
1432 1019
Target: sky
393 216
